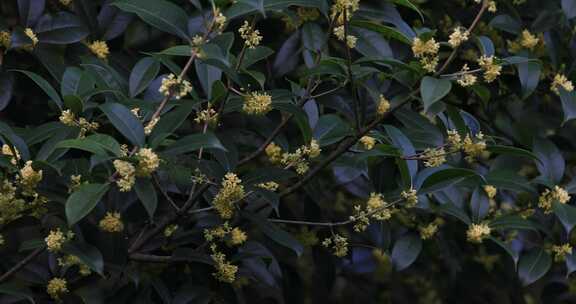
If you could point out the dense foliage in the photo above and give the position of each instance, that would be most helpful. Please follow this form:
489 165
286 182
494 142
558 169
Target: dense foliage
287 151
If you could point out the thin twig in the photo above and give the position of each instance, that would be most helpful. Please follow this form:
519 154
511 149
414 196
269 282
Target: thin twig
21 264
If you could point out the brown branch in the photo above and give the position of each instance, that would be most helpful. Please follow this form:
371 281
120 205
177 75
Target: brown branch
21 264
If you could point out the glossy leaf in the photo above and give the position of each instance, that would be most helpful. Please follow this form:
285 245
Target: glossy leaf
533 265
83 200
433 90
406 251
125 122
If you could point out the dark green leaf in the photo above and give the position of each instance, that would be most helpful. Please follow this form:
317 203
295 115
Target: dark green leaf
143 73
406 251
433 90
125 122
330 129
533 265
566 214
194 142
147 195
276 234
446 178
45 86
83 200
87 253
20 292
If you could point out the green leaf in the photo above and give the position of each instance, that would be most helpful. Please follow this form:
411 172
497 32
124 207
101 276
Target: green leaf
446 178
81 144
513 254
170 122
450 209
569 8
256 54
179 50
330 129
147 195
83 200
406 251
552 163
143 73
125 122
410 5
60 28
529 74
479 205
245 7
513 151
107 143
194 142
45 86
387 31
276 234
87 253
408 168
433 90
568 104
507 222
14 290
566 214
161 14
74 103
533 265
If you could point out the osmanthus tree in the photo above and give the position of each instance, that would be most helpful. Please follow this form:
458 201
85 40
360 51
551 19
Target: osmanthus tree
287 151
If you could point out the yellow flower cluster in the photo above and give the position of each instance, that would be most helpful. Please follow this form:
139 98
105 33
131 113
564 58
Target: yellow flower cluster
6 150
127 174
148 162
57 287
176 87
454 140
375 208
491 68
492 6
112 222
560 81
429 231
466 79
208 116
472 146
100 49
231 192
478 232
170 229
11 207
434 157
459 36
338 243
257 103
30 34
368 142
225 271
219 20
528 40
274 153
426 52
151 125
5 39
490 191
252 37
547 198
72 260
561 251
344 7
29 179
57 238
383 106
411 197
68 118
236 236
270 186
340 33
298 159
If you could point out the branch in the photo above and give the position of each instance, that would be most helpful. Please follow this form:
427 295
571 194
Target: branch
21 264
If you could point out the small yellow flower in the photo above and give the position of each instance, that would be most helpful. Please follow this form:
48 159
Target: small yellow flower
427 52
252 37
560 80
340 33
148 162
313 150
57 287
474 148
150 126
68 118
29 178
127 174
100 49
208 116
5 39
428 231
176 87
383 105
466 79
225 271
237 237
376 207
30 34
561 251
6 150
274 153
478 232
169 231
491 68
56 239
270 186
411 197
231 192
547 198
528 40
492 6
257 103
490 191
434 157
454 140
459 36
112 222
338 243
368 142
219 20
